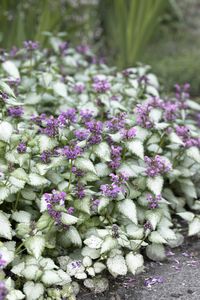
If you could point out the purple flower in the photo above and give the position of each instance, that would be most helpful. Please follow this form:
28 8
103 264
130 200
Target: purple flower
3 291
38 119
21 148
182 92
63 47
110 190
129 133
70 210
79 88
77 172
67 117
101 85
117 122
170 110
192 142
45 157
157 166
15 111
30 45
116 157
119 179
153 201
95 139
80 192
52 199
51 126
72 151
142 115
83 49
148 226
183 131
94 126
3 96
81 134
13 81
13 51
86 114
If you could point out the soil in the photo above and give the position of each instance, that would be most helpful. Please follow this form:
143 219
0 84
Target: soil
180 273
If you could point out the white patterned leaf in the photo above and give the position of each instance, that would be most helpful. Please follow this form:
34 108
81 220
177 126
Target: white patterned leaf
102 150
155 184
21 216
5 227
60 89
156 252
85 164
154 217
155 237
117 265
6 130
37 180
93 242
32 290
108 244
35 245
186 215
51 277
194 153
127 208
11 69
194 226
136 147
135 263
68 219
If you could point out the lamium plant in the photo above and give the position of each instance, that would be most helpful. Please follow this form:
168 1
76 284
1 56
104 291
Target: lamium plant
95 166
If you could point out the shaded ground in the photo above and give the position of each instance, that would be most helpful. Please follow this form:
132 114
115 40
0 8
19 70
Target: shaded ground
180 273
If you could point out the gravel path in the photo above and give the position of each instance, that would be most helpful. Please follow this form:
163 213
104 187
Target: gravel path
180 274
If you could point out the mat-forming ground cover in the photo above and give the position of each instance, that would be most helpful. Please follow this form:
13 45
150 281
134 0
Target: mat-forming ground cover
95 169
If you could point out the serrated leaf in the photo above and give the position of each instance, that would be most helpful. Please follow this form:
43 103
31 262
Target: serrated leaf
154 217
5 227
15 295
108 244
4 192
32 290
117 265
155 237
35 245
155 114
37 180
156 252
155 184
21 216
6 130
60 89
194 153
6 88
127 208
186 215
68 219
93 242
135 263
102 169
46 143
73 235
50 277
11 69
136 147
194 226
85 164
102 150
193 105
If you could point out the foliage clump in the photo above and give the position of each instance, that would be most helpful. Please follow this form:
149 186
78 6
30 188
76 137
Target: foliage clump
94 166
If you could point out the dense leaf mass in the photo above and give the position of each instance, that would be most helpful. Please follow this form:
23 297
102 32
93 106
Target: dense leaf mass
94 165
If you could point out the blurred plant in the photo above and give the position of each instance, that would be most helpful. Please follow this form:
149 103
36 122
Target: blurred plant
129 25
29 20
